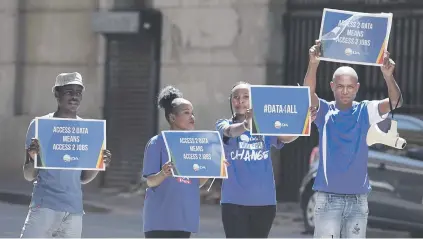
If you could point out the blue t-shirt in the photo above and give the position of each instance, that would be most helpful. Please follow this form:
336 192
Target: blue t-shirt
250 179
56 189
343 148
175 203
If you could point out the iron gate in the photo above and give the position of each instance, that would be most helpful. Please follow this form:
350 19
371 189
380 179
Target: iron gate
302 26
132 82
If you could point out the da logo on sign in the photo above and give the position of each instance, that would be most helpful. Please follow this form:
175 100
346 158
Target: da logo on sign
68 158
279 125
197 167
350 52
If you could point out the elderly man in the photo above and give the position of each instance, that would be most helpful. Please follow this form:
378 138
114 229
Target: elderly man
342 183
56 207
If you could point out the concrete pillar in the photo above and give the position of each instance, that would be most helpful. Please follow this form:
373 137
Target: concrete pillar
9 16
9 47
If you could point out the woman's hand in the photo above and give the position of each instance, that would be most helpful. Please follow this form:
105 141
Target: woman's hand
248 119
167 169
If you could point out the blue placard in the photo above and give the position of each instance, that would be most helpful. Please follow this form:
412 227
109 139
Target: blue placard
76 144
196 154
280 110
354 37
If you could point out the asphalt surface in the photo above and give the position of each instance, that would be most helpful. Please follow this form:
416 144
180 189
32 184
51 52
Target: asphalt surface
120 217
126 225
123 224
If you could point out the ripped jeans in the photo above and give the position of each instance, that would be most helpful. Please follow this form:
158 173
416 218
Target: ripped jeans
340 215
47 223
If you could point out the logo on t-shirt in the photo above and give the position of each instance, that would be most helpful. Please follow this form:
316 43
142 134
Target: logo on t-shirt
250 148
183 180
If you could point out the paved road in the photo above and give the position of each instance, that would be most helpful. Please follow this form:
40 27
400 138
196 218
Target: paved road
116 224
124 224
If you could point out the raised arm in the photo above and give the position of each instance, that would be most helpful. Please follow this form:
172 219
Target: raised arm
319 107
234 130
394 91
311 75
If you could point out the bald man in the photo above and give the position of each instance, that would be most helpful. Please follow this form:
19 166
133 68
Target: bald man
342 183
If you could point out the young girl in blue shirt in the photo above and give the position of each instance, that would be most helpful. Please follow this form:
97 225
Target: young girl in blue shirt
172 205
248 197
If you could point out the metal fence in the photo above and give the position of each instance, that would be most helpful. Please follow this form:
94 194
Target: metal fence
302 26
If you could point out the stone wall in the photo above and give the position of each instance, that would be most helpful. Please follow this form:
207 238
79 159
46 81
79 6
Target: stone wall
208 45
43 39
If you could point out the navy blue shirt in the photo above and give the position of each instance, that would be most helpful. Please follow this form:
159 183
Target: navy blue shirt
56 189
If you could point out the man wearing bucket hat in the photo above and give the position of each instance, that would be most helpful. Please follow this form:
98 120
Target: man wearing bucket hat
56 206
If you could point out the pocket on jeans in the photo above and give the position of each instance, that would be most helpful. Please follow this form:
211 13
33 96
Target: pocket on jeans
321 203
362 204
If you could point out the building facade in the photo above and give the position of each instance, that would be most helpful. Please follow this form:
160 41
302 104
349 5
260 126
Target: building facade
201 47
204 48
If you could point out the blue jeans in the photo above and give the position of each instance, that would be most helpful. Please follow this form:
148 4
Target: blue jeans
340 215
44 223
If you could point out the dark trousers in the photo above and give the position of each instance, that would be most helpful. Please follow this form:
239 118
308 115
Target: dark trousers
247 221
167 234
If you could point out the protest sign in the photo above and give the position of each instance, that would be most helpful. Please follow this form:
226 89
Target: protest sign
74 144
195 154
354 37
280 110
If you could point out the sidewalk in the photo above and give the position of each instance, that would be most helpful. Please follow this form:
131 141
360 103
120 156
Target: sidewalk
112 201
288 214
20 197
115 209
132 202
